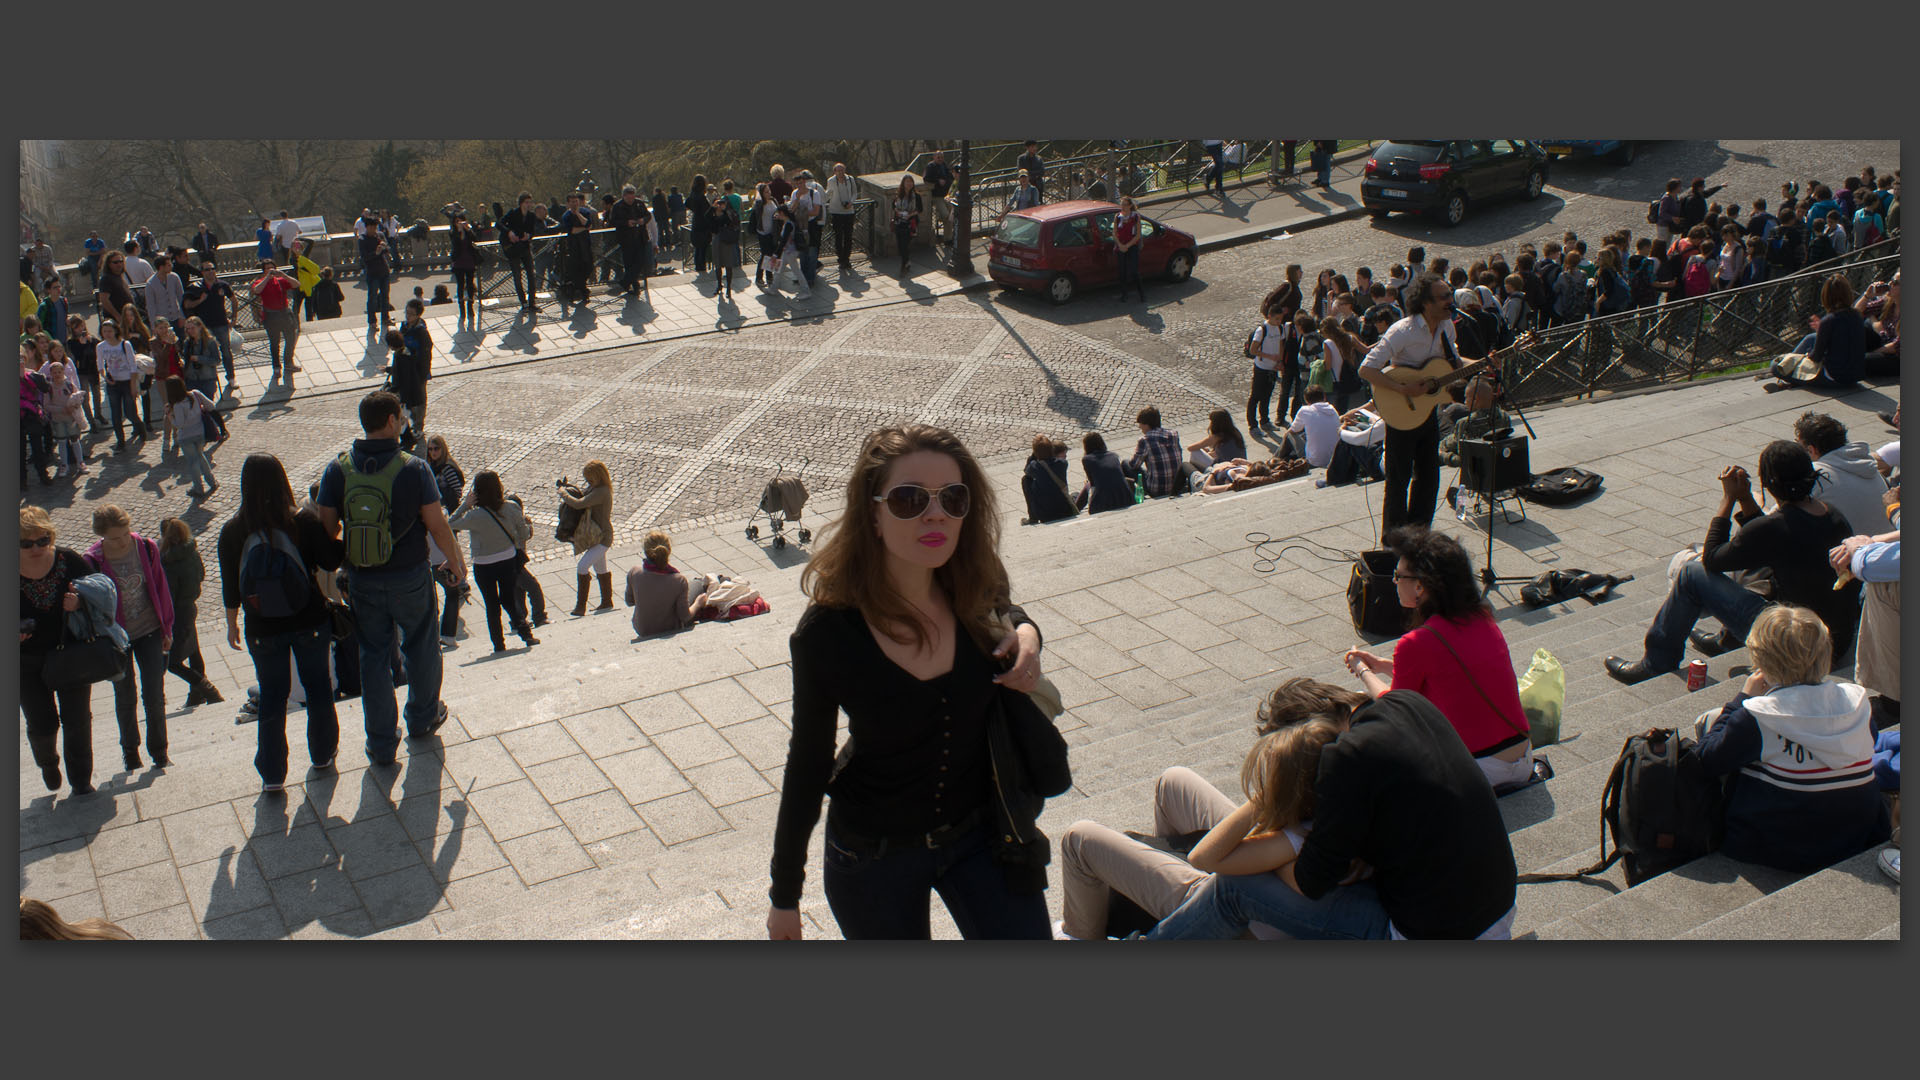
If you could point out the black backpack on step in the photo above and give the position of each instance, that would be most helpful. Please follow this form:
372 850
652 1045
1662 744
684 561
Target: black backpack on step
1662 808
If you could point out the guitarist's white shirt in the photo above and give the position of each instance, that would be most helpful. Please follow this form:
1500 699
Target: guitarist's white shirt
1408 343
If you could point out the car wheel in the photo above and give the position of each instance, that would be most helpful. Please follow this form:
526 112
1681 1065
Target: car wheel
1536 181
1455 210
1061 288
1623 154
1179 266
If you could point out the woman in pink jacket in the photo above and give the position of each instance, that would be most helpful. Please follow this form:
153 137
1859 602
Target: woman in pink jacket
145 612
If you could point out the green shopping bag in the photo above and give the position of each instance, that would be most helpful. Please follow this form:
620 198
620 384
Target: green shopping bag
1543 693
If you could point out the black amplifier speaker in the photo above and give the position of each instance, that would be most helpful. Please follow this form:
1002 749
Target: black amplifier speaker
1493 465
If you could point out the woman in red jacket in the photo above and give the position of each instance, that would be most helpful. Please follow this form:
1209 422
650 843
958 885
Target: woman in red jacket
1456 657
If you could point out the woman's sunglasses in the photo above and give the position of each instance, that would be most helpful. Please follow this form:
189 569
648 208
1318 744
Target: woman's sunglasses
909 501
42 542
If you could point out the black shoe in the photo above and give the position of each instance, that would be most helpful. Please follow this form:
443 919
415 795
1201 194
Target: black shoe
1713 644
51 774
1887 419
80 789
162 762
1630 671
439 721
132 761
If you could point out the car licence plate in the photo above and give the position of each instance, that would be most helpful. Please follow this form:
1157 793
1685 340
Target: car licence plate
1393 193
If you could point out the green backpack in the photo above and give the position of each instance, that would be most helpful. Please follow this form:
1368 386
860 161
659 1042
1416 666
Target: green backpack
366 513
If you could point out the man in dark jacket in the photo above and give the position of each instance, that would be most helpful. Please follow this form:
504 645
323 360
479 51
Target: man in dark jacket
1398 793
1035 169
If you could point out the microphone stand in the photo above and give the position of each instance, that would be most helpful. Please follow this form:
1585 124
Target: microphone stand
1488 578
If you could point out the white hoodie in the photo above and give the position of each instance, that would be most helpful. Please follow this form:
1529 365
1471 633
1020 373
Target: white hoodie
1848 481
1813 738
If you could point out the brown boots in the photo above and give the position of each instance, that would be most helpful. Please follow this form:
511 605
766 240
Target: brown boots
606 592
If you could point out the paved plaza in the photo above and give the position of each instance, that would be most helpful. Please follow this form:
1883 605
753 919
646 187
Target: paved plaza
598 786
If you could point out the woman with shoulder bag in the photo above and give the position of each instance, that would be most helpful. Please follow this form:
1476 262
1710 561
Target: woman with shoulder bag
593 535
725 226
47 574
909 613
906 219
65 403
498 534
145 612
186 424
200 363
766 227
180 561
466 260
280 642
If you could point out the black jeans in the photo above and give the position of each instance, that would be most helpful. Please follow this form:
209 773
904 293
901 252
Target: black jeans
1286 148
528 586
184 658
633 259
884 896
498 584
1293 388
843 238
150 666
1260 399
465 285
1413 458
903 238
1219 177
1130 272
57 716
700 251
521 262
307 650
450 602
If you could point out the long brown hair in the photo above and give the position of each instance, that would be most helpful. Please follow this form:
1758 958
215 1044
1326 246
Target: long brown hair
850 568
1280 770
39 922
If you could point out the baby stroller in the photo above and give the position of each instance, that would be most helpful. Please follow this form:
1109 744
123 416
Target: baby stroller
781 501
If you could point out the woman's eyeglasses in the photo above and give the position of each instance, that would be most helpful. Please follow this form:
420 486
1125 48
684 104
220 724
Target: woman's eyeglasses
1398 576
909 501
44 541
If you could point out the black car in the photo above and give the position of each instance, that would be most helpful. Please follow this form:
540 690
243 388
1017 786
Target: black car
1446 176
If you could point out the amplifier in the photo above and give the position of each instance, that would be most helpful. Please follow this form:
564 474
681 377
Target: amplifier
1493 465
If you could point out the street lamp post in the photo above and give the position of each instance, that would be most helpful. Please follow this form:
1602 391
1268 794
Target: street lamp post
962 264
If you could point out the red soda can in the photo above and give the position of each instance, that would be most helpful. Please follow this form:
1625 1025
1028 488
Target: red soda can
1696 674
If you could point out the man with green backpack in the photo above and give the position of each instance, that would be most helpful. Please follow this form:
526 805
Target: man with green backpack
384 502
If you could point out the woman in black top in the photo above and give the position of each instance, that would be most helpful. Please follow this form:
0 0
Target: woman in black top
180 560
80 347
725 226
267 510
466 257
698 211
1044 482
47 574
906 596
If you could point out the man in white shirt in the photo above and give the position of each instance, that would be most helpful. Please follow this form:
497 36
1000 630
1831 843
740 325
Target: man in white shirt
138 269
841 194
1315 430
1413 456
285 232
1268 339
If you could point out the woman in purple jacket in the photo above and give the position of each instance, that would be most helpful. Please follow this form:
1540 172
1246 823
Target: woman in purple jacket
145 612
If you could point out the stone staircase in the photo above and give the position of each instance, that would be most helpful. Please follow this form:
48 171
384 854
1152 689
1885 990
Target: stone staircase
715 886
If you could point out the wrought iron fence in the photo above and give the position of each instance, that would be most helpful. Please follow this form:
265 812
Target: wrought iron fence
1685 339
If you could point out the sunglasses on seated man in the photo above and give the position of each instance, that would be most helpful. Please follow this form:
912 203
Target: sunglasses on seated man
909 501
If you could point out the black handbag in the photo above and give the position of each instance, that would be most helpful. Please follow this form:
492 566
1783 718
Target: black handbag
341 624
73 664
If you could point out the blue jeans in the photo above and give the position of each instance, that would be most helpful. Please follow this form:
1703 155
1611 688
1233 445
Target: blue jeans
1323 167
1696 592
1219 177
385 606
877 897
223 337
809 263
193 446
1222 906
274 657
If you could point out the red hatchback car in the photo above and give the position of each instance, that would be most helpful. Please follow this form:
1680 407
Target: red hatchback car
1060 248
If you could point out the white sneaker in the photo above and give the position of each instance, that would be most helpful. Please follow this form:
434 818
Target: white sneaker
1890 863
447 642
1060 931
60 471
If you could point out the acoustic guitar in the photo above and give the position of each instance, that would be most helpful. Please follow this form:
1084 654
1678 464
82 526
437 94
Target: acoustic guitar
1407 413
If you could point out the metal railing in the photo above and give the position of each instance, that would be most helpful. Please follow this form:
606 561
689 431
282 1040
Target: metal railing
1686 339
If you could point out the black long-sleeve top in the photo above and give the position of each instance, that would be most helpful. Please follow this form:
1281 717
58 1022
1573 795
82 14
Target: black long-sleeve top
1840 346
1793 543
1400 791
317 551
919 749
43 600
